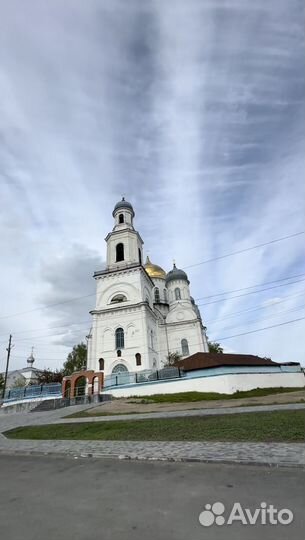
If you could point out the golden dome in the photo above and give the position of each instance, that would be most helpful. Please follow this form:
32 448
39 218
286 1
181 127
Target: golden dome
153 270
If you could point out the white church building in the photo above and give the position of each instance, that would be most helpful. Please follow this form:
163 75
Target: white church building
142 313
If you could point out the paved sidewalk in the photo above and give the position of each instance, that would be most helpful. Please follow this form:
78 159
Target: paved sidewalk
272 454
189 412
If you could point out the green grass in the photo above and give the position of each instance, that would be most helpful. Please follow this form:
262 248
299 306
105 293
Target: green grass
206 396
278 426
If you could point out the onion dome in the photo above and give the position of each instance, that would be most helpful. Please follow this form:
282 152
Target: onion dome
31 359
153 270
175 274
123 205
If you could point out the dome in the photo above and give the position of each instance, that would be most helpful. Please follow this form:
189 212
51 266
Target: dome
123 205
176 273
153 270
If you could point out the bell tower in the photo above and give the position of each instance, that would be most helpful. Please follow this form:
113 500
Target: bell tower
124 244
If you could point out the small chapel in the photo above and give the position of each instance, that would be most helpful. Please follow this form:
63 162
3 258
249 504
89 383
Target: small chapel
142 313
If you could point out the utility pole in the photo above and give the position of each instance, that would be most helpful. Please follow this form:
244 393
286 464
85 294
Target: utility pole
9 348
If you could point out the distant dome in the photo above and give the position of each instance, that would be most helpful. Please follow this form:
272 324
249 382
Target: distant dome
121 205
176 273
153 270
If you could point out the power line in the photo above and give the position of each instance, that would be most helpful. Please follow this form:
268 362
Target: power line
245 249
271 316
260 329
88 323
202 297
47 306
190 266
257 308
220 338
251 292
251 286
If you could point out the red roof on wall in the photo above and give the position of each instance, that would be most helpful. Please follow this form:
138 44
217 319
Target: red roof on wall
202 360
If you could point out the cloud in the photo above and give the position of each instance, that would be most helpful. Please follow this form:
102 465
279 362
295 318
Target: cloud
194 111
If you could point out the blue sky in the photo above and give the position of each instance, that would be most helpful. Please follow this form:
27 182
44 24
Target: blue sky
195 112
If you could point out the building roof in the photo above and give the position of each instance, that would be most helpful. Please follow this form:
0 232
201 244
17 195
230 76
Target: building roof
123 204
202 360
153 270
176 273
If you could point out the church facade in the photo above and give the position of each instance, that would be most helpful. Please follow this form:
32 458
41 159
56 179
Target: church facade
142 314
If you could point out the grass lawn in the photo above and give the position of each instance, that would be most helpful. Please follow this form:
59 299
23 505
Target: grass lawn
207 396
277 426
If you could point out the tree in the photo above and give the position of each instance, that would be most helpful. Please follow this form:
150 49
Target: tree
20 382
76 360
47 376
215 347
172 358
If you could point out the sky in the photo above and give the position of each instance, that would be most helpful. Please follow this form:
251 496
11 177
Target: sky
194 111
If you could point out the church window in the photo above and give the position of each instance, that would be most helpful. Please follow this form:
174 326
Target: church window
177 294
138 359
119 368
118 298
119 338
185 347
157 295
101 364
165 295
140 256
152 339
119 353
121 218
119 252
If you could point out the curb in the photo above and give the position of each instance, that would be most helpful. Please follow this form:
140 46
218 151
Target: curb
131 457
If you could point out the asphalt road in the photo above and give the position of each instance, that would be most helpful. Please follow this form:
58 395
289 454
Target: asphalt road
64 498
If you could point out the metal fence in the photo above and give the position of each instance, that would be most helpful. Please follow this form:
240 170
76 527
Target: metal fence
27 392
145 376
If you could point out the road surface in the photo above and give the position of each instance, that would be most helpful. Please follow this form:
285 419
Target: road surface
64 498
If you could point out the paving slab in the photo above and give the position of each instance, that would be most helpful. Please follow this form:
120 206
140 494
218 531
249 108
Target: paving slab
270 454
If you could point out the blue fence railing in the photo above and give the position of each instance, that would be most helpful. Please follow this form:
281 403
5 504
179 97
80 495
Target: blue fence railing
145 376
33 391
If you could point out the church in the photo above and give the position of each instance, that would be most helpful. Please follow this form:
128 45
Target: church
142 313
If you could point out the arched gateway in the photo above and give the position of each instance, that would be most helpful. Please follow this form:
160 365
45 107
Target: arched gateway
90 382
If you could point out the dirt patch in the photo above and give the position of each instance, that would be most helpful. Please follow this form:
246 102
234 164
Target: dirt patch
132 405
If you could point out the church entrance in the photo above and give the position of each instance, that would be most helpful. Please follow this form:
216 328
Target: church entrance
119 368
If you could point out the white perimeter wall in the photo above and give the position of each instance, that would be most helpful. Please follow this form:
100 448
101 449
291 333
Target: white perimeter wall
225 384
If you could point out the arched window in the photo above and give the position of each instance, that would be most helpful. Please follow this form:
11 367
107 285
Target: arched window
101 364
152 339
119 252
177 294
165 295
119 353
140 256
138 359
119 368
157 295
121 218
118 298
185 347
119 338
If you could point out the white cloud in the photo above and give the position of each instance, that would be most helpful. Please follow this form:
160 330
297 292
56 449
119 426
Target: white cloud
195 111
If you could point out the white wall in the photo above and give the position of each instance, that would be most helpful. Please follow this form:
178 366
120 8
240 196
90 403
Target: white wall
225 384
